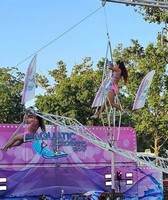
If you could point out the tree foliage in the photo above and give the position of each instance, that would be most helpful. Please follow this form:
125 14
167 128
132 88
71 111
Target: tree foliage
153 14
72 96
151 120
11 85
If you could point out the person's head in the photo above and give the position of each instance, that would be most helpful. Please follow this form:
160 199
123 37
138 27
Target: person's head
124 72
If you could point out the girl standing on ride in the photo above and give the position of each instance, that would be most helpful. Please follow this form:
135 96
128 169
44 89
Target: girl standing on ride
118 72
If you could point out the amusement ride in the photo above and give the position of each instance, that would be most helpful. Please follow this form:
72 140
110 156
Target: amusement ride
76 127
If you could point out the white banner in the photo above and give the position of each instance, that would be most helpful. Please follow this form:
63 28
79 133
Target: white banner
141 95
30 82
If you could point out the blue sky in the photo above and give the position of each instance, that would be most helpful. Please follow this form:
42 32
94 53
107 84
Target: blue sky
27 26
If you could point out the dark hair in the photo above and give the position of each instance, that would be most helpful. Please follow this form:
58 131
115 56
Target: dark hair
124 72
41 123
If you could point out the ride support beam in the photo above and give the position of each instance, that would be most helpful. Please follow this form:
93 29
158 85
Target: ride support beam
150 3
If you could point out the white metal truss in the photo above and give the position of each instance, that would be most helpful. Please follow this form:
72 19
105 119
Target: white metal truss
76 127
150 3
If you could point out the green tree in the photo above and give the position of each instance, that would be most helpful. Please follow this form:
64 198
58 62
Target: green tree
151 120
11 85
73 95
59 74
153 14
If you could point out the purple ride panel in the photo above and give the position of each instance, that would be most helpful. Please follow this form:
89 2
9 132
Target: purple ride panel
79 150
83 169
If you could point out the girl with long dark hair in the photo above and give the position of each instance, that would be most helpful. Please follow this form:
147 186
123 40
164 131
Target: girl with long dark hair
118 72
